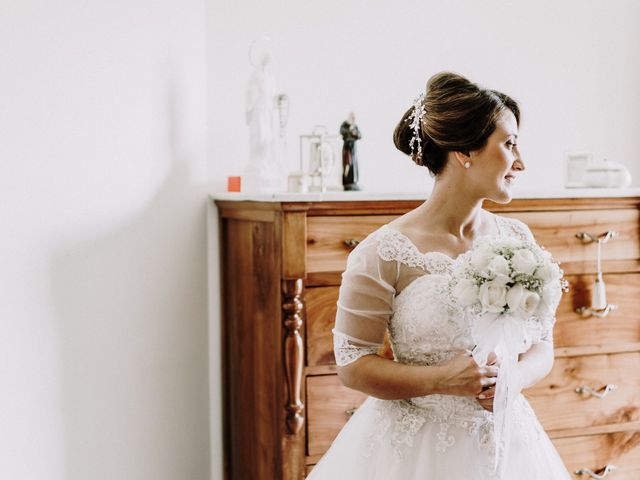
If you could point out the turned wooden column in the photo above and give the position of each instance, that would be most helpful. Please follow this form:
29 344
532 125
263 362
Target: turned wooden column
293 353
293 228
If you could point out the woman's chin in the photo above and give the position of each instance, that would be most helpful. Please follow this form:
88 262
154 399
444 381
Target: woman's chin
502 196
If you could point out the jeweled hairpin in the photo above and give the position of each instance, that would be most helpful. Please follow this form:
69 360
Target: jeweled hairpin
415 118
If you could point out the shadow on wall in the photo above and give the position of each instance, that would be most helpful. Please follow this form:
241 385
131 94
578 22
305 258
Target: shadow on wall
132 317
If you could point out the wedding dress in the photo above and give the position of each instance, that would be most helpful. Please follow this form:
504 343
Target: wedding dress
391 286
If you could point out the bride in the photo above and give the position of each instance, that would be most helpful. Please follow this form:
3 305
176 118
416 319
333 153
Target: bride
429 414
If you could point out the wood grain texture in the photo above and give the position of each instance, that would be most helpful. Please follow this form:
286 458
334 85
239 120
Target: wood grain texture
556 232
330 405
249 264
324 279
263 255
294 245
596 430
620 326
558 406
293 353
610 266
326 237
595 451
596 349
321 316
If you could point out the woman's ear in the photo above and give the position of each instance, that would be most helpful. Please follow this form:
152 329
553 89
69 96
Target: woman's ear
462 157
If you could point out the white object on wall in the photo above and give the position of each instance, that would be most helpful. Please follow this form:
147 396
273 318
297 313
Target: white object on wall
265 172
576 164
607 174
583 172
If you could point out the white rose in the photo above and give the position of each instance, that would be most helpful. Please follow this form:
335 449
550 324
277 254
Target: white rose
514 296
524 261
548 272
546 255
481 257
511 243
530 301
466 291
493 296
499 265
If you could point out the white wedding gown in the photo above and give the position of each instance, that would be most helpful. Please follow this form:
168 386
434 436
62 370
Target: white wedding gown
390 286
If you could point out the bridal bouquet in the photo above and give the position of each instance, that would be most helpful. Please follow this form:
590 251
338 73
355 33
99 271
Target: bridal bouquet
510 289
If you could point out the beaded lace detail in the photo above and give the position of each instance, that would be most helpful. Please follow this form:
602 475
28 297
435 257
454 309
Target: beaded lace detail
347 352
395 246
427 328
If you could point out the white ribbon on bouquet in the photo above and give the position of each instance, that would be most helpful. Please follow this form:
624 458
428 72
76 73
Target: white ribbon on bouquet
506 335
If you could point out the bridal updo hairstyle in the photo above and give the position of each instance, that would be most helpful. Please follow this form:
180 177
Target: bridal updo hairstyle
459 116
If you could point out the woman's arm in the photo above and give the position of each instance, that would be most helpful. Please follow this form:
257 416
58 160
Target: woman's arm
533 366
536 363
389 380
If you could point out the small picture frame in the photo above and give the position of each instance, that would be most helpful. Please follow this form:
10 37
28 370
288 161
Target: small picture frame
576 164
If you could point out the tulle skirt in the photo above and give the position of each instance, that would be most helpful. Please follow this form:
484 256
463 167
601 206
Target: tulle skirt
382 441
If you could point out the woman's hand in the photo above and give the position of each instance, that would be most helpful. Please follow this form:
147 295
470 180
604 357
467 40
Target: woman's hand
485 398
462 375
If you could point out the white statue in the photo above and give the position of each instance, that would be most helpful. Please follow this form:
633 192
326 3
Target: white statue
264 174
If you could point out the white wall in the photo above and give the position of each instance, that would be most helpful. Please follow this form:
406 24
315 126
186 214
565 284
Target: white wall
104 171
574 66
103 343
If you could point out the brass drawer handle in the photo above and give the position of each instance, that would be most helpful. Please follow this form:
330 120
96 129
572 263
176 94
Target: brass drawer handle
350 411
603 238
595 312
601 474
351 243
600 393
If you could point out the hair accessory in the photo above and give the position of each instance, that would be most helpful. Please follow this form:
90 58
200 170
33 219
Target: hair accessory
467 164
416 117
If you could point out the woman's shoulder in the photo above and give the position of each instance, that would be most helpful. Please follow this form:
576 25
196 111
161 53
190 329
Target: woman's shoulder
388 245
513 226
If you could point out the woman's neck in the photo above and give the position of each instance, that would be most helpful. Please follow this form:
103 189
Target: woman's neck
451 210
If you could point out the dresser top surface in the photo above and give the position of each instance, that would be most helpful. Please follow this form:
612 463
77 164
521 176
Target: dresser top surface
337 196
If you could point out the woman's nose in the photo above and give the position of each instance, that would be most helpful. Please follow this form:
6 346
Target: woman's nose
518 162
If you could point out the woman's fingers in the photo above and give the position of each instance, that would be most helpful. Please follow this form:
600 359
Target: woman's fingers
486 404
487 381
488 393
490 371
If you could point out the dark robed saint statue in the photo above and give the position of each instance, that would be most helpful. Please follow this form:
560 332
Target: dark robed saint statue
350 134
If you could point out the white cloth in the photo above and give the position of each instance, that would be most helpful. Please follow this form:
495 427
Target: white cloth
391 286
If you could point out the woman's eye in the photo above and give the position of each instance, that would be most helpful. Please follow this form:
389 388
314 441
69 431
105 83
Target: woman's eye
511 144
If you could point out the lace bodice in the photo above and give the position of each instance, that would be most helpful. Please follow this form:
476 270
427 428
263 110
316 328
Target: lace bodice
389 285
423 319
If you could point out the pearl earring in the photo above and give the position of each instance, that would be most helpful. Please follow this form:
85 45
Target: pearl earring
467 164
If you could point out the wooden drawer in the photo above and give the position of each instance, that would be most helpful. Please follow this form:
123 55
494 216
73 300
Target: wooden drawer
620 326
321 316
329 406
595 451
328 238
556 231
558 406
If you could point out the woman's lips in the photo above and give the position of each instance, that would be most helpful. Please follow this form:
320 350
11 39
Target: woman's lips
510 178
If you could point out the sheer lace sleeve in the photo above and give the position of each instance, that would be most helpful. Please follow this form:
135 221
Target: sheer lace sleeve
365 303
521 230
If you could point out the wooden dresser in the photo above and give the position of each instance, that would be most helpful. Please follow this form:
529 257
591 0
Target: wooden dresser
282 261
